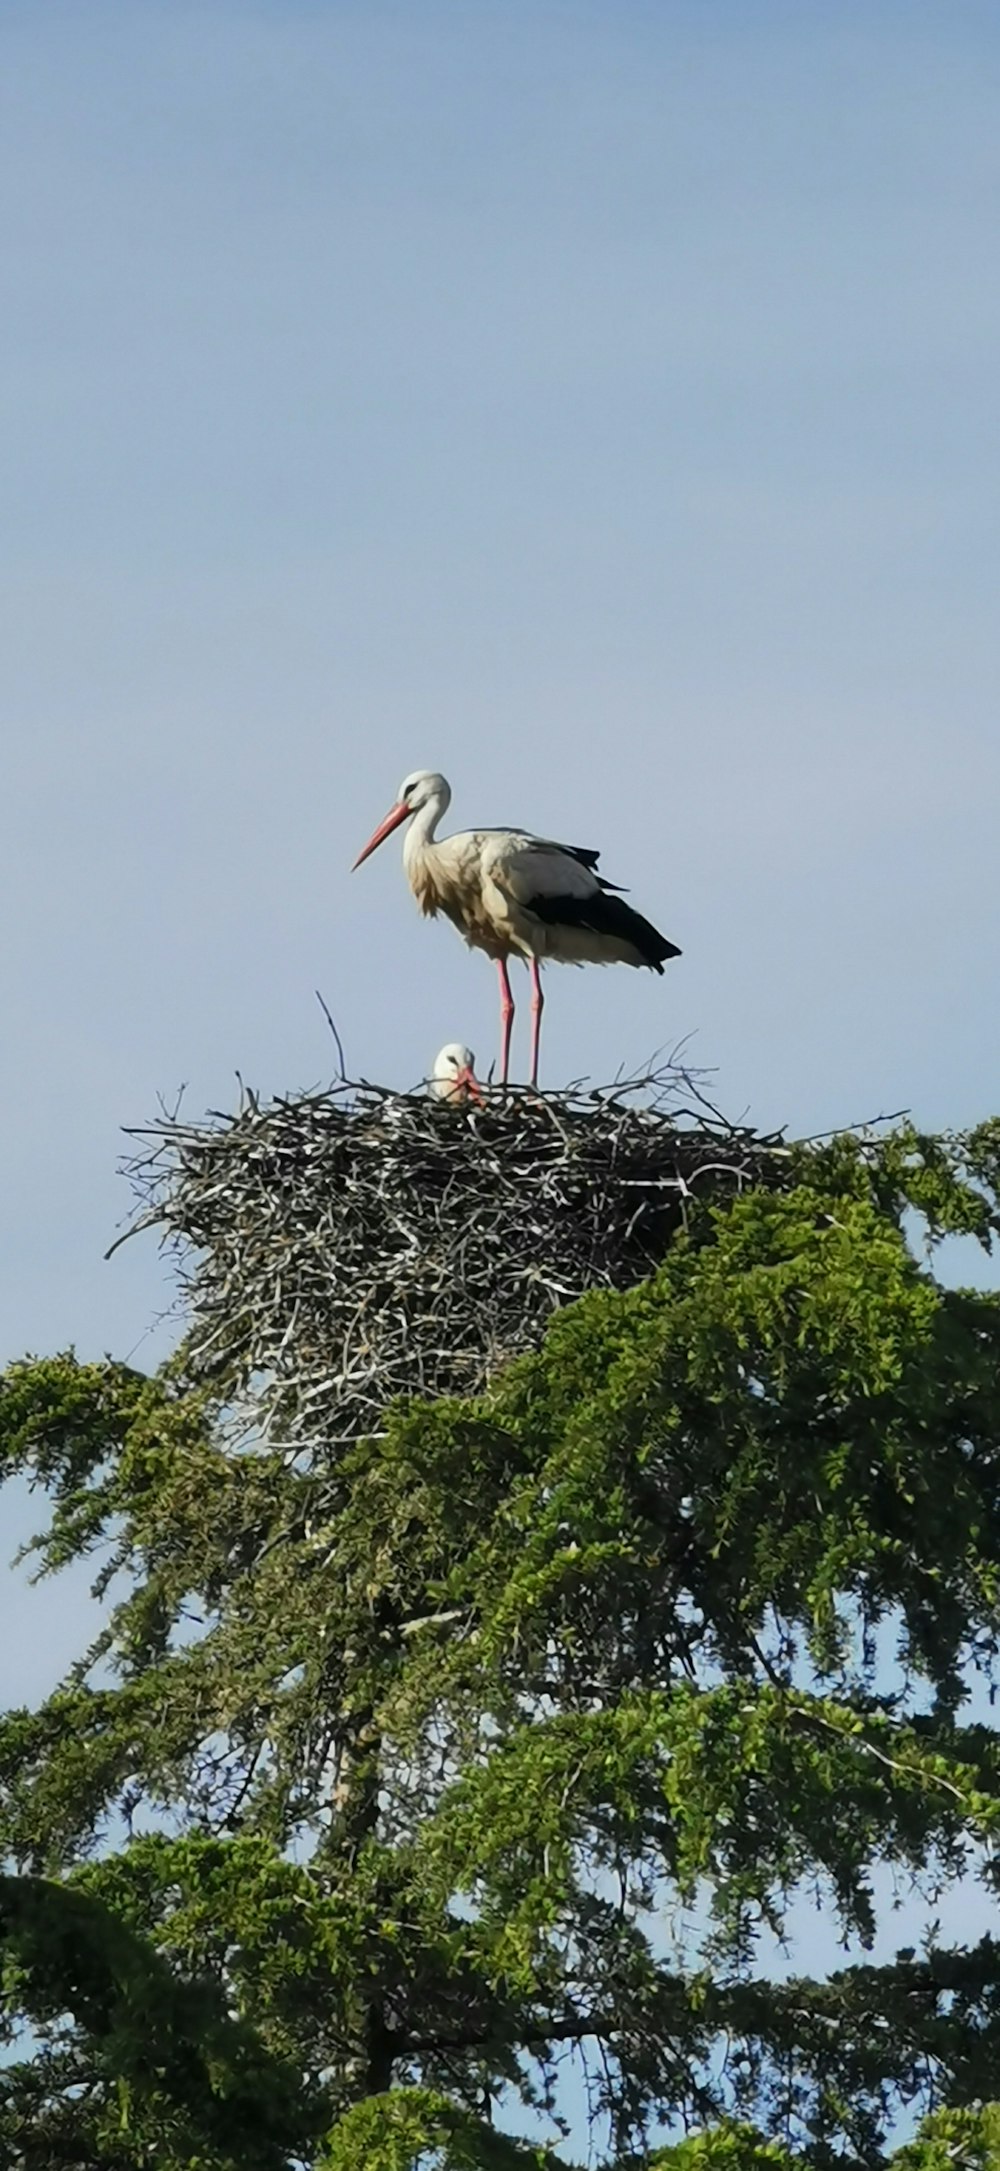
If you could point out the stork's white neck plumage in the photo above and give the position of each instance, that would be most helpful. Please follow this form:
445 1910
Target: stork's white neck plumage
420 831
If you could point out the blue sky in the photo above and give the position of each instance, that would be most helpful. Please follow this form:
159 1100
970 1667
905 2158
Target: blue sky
598 402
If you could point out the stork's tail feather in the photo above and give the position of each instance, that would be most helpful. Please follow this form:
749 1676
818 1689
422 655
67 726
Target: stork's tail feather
608 915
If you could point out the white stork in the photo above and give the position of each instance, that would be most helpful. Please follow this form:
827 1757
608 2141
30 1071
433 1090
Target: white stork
512 894
453 1077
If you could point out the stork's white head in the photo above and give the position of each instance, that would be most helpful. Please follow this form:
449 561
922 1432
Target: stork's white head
453 1077
422 788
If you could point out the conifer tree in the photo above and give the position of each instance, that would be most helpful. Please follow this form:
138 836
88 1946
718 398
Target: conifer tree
368 1816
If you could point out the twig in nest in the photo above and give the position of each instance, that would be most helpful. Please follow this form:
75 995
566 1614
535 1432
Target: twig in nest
338 1043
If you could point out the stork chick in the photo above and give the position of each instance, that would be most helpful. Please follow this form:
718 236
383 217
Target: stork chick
453 1077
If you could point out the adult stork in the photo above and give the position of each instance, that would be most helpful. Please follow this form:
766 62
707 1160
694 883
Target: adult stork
514 895
453 1077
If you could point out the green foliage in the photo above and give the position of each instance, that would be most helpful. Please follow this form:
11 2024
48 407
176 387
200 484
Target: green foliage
161 2053
725 2147
381 1788
957 2140
404 2130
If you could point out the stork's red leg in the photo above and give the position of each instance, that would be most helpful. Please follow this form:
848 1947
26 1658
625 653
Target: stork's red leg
537 1006
506 1018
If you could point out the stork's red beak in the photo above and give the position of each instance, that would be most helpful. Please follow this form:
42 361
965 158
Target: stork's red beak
467 1078
392 821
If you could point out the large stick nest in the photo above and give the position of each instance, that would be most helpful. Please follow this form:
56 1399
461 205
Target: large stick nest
340 1248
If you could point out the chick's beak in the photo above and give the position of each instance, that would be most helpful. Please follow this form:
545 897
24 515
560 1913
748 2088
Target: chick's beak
467 1078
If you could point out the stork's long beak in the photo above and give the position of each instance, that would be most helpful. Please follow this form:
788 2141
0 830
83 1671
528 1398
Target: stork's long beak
467 1078
392 821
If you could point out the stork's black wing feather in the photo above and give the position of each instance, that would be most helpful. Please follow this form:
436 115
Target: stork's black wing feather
606 915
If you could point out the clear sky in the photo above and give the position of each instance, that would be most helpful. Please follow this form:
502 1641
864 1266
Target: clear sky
600 402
